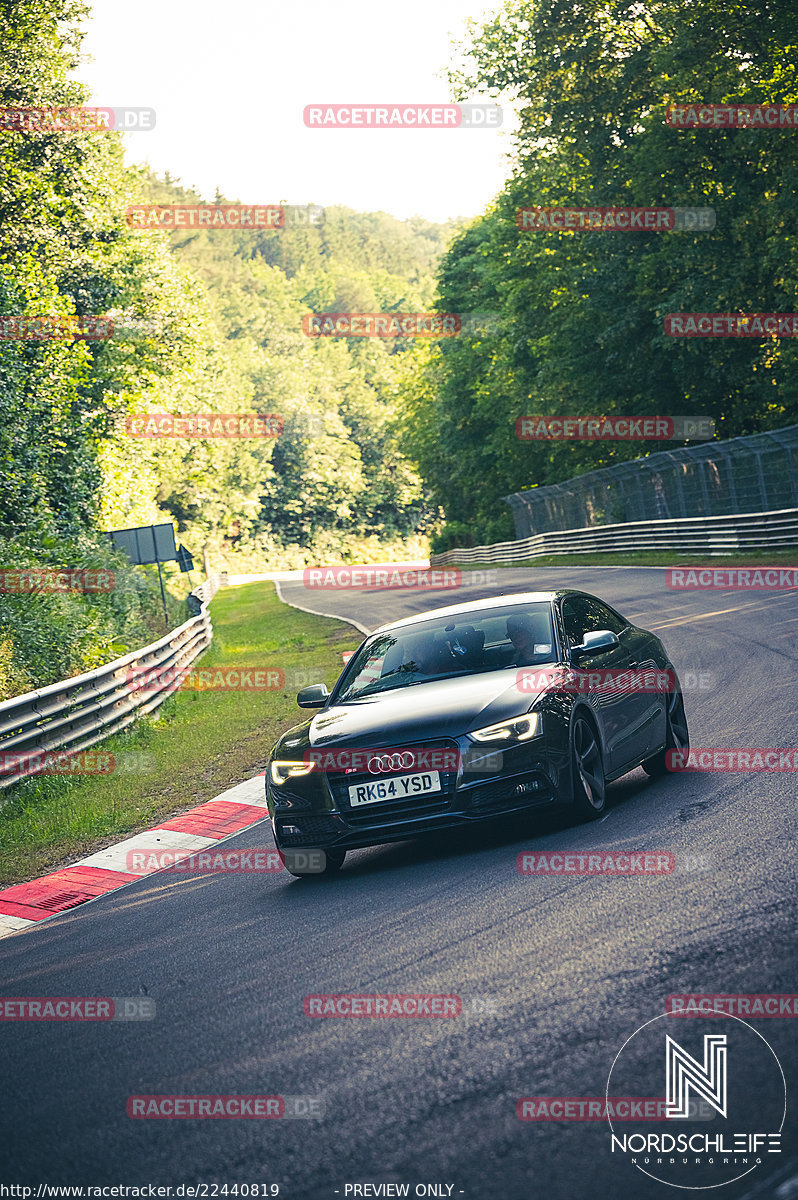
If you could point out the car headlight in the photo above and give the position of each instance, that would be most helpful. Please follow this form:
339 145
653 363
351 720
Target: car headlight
282 769
517 729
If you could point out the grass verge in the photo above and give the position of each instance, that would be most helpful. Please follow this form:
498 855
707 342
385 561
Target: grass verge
647 558
200 743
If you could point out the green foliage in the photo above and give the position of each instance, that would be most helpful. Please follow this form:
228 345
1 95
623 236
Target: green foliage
203 322
211 320
581 315
48 635
307 495
66 249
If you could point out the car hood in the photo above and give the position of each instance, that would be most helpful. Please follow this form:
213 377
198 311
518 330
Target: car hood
438 709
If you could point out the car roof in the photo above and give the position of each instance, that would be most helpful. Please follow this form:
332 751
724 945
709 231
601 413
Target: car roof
474 606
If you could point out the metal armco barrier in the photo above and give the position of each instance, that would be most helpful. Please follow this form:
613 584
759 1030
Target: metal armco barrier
711 536
77 713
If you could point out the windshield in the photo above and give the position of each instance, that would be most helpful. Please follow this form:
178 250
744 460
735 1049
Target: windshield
485 640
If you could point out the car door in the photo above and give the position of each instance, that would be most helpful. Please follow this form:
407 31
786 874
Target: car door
625 714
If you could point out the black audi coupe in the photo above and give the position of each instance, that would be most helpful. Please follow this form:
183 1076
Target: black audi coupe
472 712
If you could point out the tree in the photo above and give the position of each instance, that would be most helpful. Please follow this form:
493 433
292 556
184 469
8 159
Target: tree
581 314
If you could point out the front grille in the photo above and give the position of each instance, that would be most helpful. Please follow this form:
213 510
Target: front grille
387 810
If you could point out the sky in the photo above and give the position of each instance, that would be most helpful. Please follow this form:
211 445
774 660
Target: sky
229 81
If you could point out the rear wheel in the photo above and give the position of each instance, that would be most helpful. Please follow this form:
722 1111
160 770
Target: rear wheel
677 737
587 770
301 863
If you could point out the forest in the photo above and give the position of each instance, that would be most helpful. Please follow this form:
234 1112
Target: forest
387 446
579 314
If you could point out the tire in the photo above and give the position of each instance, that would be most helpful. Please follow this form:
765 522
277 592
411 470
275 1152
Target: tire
333 861
677 737
587 770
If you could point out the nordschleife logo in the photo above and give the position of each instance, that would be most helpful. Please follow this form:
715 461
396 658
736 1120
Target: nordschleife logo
684 1074
729 1073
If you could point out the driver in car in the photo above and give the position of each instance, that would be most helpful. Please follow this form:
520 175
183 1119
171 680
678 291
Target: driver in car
532 643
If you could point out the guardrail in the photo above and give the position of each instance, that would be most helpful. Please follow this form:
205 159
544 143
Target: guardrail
712 536
77 713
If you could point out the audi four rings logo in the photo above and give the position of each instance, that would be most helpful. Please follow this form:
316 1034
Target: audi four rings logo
390 762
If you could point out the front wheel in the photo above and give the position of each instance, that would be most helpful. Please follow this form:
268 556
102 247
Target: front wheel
587 770
677 737
301 863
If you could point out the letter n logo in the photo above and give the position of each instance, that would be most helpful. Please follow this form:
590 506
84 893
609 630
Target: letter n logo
683 1072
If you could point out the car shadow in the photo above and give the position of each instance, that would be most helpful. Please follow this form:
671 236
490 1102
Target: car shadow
483 837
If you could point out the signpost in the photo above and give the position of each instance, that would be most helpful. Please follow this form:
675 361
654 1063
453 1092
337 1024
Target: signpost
152 544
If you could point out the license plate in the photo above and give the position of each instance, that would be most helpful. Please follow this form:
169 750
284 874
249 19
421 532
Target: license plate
398 787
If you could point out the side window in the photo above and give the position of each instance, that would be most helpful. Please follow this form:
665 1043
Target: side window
602 617
583 614
575 619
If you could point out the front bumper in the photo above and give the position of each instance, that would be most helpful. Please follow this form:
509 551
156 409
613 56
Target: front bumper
313 811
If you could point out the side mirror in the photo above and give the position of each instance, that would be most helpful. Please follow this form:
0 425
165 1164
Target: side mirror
599 641
313 696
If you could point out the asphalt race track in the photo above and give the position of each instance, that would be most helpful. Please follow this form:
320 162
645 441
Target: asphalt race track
555 973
